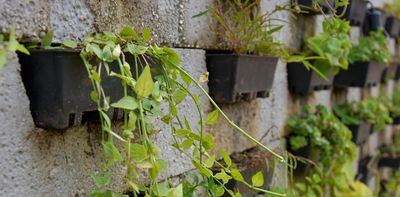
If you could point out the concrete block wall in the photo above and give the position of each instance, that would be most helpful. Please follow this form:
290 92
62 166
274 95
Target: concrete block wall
38 162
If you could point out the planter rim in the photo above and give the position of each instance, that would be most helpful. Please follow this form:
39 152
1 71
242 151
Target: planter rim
64 50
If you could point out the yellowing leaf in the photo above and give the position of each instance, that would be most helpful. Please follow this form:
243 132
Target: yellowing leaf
144 85
212 117
69 44
146 34
258 179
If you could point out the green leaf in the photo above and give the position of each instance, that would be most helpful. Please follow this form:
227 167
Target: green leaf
127 102
12 42
226 157
176 192
258 179
128 31
182 133
144 84
200 14
21 48
136 49
3 58
146 34
95 76
132 120
223 176
102 181
138 152
69 44
212 117
47 39
186 144
185 78
210 161
237 175
112 153
179 95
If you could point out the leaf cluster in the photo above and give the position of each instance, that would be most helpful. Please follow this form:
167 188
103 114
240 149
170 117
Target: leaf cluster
9 43
371 48
242 26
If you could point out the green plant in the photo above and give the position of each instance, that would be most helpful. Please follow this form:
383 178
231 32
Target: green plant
371 48
392 186
245 29
348 113
327 52
145 89
324 132
392 8
46 42
9 43
316 6
374 111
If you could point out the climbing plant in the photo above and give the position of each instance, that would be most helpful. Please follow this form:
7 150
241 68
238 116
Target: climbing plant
150 78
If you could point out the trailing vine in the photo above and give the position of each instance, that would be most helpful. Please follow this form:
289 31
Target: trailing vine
151 76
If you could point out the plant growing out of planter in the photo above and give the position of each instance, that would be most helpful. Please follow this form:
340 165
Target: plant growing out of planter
393 106
153 79
320 130
392 24
317 6
248 71
9 43
349 114
325 54
374 111
367 62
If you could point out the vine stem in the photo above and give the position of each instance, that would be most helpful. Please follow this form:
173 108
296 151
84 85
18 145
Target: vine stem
281 159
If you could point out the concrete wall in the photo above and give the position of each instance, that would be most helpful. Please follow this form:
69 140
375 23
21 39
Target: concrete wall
38 162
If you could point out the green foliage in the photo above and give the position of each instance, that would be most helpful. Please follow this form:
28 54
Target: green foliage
392 8
244 28
323 131
392 185
348 113
145 90
371 48
332 46
9 43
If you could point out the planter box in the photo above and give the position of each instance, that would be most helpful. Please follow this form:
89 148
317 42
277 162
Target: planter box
363 173
390 162
396 119
240 77
360 132
374 20
58 87
392 26
397 74
355 12
301 80
307 5
360 74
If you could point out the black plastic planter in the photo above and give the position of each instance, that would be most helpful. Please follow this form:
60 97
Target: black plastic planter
240 77
307 5
390 162
395 118
363 173
59 89
360 132
304 152
301 80
397 74
360 74
392 26
374 19
355 12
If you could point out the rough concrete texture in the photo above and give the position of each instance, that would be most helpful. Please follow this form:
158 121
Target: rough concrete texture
48 163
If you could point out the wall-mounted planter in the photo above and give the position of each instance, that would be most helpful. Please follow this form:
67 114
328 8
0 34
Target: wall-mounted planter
307 5
236 77
390 162
360 132
396 119
363 173
301 80
392 26
355 12
374 19
397 74
360 74
58 87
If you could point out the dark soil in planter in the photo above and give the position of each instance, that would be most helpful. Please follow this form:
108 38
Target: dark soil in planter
374 19
392 26
360 74
391 162
360 132
307 5
59 89
396 119
301 80
236 77
355 12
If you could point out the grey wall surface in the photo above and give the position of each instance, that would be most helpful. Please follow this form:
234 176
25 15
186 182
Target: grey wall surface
37 162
